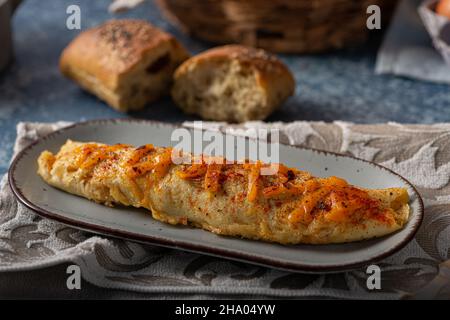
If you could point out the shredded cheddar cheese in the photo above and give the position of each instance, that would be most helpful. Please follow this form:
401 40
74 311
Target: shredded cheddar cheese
275 191
290 189
212 177
192 172
308 203
139 153
159 164
91 154
163 162
333 196
253 176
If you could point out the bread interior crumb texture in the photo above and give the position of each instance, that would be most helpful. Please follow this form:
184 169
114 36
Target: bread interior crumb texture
222 90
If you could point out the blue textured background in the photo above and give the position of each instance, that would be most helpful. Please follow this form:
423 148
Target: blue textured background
335 86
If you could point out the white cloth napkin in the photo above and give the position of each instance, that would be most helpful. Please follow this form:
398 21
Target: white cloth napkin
407 49
419 152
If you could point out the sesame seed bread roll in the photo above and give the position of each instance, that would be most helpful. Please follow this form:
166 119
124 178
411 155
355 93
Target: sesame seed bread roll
126 63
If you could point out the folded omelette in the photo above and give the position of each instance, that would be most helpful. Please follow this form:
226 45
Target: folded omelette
234 199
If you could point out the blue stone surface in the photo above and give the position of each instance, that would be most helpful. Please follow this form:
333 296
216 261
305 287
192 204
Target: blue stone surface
334 86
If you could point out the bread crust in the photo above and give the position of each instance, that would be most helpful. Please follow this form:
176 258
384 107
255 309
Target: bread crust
268 66
99 59
273 76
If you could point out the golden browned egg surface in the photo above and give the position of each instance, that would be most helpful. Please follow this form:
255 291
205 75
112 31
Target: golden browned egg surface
227 198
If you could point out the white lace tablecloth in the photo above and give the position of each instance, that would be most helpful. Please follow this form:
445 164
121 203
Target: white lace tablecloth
421 153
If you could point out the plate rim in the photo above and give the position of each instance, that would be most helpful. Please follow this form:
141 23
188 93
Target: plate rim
202 249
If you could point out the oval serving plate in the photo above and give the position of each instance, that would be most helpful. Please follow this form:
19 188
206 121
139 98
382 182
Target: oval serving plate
138 225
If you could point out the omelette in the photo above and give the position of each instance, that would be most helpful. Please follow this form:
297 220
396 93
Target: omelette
228 198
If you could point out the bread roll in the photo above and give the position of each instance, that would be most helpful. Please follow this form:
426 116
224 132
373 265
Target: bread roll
127 63
232 83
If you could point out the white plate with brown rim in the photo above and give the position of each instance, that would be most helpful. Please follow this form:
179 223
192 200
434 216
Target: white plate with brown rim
138 225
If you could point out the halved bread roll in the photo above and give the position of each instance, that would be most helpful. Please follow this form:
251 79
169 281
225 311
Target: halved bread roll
232 83
127 63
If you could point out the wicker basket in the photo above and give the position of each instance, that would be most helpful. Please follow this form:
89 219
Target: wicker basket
289 26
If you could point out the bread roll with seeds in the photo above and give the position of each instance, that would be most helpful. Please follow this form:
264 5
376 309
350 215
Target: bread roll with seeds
232 83
127 63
